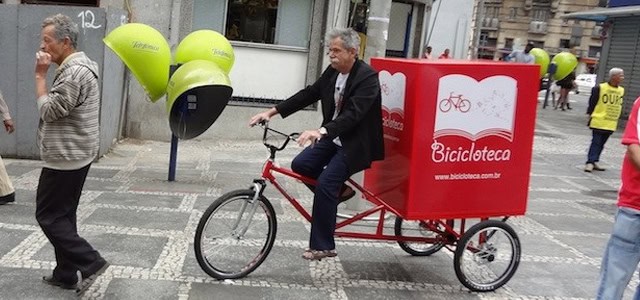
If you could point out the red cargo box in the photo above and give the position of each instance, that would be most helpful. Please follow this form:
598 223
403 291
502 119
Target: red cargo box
458 137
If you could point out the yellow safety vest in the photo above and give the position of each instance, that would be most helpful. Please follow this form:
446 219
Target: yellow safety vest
607 111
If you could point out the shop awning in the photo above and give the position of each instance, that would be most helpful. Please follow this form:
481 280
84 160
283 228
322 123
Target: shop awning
602 14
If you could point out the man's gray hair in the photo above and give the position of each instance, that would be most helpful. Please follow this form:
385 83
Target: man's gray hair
63 27
350 38
615 71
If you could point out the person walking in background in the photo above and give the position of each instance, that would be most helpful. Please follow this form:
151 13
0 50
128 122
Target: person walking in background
605 106
445 54
68 141
522 56
7 192
566 85
621 255
350 136
427 53
554 89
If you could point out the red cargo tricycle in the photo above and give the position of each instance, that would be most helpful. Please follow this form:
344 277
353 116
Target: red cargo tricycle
458 148
238 230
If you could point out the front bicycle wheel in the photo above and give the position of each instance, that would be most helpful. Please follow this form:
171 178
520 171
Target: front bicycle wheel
418 229
235 235
487 256
445 105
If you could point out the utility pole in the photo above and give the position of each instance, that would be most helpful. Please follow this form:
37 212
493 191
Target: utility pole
377 29
376 46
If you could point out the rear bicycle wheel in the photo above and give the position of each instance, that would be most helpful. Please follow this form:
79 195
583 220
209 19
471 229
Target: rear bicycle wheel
417 229
465 105
487 256
230 241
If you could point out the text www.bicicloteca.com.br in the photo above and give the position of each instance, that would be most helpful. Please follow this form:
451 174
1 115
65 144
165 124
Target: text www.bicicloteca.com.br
467 176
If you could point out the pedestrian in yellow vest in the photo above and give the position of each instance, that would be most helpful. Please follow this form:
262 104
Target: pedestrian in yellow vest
605 106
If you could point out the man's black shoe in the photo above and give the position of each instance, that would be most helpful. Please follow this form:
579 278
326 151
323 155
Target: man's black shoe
8 198
346 193
50 280
90 279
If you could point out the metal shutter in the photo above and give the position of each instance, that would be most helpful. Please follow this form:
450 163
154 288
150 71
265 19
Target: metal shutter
625 39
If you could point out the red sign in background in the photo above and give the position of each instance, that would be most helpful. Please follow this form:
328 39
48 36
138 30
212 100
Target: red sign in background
458 137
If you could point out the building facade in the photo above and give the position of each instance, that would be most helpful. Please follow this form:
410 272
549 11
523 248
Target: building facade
620 48
278 47
507 25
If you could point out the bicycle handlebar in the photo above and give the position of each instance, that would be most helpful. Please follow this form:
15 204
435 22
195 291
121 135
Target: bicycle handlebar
288 137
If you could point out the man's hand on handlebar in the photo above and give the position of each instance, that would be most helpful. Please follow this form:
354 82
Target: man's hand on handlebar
263 116
311 136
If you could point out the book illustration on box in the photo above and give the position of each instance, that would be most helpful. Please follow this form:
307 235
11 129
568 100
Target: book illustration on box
475 109
393 97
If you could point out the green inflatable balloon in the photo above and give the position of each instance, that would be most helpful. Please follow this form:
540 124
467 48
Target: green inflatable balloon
197 93
206 45
566 62
542 59
146 53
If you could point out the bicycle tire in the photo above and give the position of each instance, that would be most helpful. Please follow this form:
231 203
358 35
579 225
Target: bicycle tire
486 254
445 105
413 247
234 257
465 105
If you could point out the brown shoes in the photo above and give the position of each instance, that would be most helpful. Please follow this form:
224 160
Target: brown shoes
346 193
310 254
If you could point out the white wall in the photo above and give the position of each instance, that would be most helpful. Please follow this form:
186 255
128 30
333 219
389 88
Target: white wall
267 73
450 26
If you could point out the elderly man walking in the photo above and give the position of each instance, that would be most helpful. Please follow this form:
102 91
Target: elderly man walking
68 141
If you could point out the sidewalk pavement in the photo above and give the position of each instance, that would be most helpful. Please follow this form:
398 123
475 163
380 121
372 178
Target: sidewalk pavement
144 225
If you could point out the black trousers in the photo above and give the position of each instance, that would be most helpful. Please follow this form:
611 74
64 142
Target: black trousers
56 205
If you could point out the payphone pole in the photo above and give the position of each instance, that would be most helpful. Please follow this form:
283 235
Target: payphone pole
173 155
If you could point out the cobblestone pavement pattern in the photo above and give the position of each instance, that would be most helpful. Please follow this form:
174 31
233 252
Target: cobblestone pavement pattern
145 225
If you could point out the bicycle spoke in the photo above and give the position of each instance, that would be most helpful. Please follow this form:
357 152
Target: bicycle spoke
487 256
235 235
419 229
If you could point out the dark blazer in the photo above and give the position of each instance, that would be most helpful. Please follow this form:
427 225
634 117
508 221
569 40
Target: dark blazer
359 123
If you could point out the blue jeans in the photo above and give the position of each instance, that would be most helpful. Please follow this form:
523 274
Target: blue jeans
326 162
599 138
621 256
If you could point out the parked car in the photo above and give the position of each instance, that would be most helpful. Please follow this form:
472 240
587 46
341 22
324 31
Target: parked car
585 82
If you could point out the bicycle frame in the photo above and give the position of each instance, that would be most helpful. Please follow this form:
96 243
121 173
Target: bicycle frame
443 228
380 206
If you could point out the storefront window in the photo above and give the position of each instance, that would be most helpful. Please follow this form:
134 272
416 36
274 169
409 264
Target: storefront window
358 13
277 22
252 21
